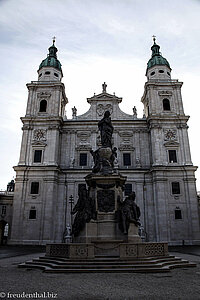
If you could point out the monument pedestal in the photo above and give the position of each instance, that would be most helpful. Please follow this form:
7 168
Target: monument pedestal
107 192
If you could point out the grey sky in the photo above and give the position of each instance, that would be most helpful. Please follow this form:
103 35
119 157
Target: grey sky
98 40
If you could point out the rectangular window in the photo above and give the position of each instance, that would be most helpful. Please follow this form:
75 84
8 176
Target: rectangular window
32 214
172 156
3 210
83 159
128 189
37 156
126 159
178 214
175 188
34 187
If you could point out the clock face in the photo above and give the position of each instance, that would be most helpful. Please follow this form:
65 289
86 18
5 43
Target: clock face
39 134
170 135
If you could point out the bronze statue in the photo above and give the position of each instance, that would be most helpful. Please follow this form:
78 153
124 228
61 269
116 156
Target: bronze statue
128 213
96 159
84 210
106 130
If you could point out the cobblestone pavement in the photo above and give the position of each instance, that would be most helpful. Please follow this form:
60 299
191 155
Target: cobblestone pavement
183 284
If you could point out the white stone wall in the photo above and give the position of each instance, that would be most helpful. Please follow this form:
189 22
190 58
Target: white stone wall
59 173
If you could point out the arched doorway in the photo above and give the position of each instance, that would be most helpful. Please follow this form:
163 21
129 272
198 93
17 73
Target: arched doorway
4 229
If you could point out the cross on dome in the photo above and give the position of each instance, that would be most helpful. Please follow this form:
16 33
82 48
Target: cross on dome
54 39
154 38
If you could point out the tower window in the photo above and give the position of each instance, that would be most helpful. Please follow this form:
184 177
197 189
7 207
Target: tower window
40 75
32 214
43 106
175 188
55 74
128 189
34 187
37 156
172 156
161 71
152 73
148 110
166 104
126 159
47 73
83 159
168 73
178 213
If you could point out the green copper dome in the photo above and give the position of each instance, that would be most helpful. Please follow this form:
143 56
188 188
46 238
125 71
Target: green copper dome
51 60
156 58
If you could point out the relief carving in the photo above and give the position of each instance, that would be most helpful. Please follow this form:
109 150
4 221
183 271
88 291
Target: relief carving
165 93
44 95
102 108
125 133
126 147
106 200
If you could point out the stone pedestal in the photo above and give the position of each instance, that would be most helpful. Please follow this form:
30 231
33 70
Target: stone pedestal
107 192
118 249
133 236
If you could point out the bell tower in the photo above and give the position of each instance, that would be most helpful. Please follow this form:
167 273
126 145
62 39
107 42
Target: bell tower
163 108
171 168
38 168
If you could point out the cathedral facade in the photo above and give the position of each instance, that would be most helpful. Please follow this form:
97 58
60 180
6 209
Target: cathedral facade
153 152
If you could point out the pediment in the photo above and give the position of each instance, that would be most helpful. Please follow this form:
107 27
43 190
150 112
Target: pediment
104 96
171 144
38 144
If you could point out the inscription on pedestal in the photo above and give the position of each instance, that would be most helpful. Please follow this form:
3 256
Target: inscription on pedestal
106 200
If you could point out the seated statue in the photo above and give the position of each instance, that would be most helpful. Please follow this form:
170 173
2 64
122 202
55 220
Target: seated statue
84 210
128 213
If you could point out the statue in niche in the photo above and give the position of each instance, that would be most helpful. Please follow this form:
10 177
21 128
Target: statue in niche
67 234
106 130
129 212
84 210
72 162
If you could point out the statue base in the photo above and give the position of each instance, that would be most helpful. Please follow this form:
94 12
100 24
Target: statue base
107 191
118 249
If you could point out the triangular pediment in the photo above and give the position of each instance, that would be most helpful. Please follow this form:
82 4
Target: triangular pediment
105 97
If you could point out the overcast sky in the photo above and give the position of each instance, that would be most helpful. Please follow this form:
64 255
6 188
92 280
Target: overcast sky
98 40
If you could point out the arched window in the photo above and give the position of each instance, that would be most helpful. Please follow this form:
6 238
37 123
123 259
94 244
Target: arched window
166 104
43 106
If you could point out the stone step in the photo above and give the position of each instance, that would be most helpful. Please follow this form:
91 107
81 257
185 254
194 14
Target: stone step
109 259
94 262
58 265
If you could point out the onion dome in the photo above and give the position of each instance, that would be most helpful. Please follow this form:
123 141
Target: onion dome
156 57
51 60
